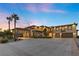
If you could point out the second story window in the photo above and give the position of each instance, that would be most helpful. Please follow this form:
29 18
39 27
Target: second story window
62 29
70 28
57 29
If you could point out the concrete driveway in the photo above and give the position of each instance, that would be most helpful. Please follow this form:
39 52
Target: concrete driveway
39 47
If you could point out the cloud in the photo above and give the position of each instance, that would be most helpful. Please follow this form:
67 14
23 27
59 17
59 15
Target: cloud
42 8
3 21
34 22
37 22
31 7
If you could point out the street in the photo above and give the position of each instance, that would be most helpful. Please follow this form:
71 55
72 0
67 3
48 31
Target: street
38 47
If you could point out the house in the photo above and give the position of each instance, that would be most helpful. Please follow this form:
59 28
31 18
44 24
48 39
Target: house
61 31
64 31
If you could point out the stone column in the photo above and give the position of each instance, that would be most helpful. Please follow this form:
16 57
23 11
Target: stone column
54 32
31 33
53 35
60 35
74 31
74 35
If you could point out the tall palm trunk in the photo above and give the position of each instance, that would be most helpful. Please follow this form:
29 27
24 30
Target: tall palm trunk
15 17
9 19
9 25
15 29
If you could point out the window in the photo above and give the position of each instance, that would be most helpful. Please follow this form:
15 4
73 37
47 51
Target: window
56 29
70 28
65 27
62 29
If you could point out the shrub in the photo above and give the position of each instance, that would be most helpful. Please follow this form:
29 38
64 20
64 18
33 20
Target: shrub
3 41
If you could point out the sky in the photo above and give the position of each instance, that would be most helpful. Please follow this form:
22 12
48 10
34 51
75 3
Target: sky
48 14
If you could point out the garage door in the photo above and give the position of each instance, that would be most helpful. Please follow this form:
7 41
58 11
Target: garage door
67 35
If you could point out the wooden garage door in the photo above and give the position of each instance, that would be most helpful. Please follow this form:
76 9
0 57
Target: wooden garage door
57 35
67 35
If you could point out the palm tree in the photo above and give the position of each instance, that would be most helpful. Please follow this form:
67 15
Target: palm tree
9 20
15 18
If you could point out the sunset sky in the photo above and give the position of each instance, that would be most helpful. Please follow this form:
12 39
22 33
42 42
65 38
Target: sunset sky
39 14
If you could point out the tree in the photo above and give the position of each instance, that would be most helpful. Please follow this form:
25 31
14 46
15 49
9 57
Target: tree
15 18
7 34
9 20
